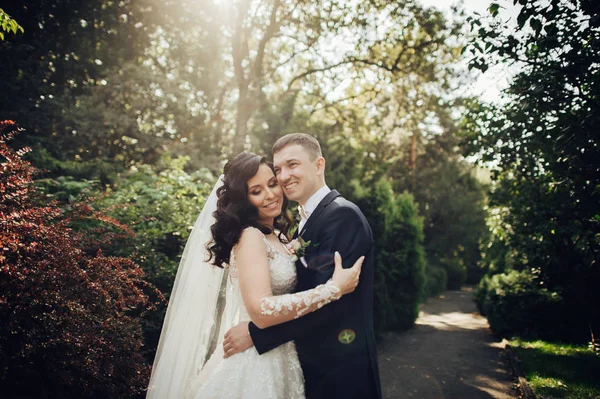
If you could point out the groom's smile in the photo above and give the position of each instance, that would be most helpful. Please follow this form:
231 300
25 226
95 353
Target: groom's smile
290 186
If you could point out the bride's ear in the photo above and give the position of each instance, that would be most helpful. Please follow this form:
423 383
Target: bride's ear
320 166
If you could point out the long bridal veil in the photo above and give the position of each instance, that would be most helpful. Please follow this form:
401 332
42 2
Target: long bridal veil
191 320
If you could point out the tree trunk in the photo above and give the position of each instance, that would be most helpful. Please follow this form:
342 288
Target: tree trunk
413 153
413 159
244 111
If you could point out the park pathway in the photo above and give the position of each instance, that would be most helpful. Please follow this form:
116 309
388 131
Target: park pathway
449 354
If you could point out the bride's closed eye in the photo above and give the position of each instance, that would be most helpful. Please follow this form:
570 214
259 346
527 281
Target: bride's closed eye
272 184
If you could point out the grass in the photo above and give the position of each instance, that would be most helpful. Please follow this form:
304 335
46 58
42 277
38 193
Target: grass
559 370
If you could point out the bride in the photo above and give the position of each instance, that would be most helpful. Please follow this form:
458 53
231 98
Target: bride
247 275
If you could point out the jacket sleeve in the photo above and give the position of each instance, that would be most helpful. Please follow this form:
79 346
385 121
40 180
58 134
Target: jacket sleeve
347 232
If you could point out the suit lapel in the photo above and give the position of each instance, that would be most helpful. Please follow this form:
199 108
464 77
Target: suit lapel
322 205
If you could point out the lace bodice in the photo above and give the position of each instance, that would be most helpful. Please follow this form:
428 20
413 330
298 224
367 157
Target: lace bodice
281 265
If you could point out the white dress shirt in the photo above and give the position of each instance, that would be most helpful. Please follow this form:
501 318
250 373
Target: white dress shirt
311 205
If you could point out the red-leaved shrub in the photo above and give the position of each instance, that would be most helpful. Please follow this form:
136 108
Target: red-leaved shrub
69 316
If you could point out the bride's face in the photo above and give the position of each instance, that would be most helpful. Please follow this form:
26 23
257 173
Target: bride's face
265 193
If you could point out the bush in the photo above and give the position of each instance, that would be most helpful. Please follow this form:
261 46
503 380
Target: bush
436 282
400 262
160 203
516 304
71 315
476 271
481 293
457 272
64 189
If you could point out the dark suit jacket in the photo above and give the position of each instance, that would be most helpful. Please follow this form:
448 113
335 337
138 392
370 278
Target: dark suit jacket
336 344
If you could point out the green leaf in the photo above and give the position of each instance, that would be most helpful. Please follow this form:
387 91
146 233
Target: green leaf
536 24
494 8
522 19
1 36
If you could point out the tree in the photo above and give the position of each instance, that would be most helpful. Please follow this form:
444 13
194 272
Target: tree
451 200
545 143
46 82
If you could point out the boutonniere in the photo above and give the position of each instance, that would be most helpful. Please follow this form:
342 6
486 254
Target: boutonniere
298 247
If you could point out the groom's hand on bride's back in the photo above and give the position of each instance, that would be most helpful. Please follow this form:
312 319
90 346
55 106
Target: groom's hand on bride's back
237 340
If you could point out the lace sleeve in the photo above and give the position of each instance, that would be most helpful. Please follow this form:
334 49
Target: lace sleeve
300 303
254 279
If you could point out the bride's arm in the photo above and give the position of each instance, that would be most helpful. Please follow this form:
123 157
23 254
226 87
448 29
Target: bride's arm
254 276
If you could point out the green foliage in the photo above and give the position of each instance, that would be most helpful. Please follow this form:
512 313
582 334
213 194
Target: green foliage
544 142
436 281
557 370
160 204
456 272
481 292
516 303
64 189
498 256
8 24
451 200
51 85
102 172
400 263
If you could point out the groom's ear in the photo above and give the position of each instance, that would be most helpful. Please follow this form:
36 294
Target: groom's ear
320 166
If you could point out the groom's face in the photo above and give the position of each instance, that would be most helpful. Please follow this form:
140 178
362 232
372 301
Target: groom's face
296 172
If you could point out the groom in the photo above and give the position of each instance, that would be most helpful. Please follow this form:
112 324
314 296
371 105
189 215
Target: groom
336 344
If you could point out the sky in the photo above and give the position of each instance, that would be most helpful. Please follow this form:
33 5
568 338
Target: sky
489 85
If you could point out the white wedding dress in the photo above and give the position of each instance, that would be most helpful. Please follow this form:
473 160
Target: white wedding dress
248 375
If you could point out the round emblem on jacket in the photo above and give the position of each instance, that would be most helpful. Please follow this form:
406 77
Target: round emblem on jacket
346 336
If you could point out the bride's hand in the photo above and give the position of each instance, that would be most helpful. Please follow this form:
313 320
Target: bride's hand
346 279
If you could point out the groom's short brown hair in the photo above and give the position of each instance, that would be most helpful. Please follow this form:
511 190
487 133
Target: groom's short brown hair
308 142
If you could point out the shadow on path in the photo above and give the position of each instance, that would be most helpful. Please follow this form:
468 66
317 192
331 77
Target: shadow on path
450 354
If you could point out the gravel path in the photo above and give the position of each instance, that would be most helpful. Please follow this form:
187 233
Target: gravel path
450 354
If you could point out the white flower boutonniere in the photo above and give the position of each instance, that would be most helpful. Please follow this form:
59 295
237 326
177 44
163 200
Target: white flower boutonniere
298 247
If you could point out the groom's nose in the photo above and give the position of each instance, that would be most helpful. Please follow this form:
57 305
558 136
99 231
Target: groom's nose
283 175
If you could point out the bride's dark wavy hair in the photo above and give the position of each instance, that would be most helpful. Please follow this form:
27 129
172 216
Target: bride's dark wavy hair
234 212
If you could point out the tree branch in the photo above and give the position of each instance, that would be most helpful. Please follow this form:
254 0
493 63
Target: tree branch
313 71
260 54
